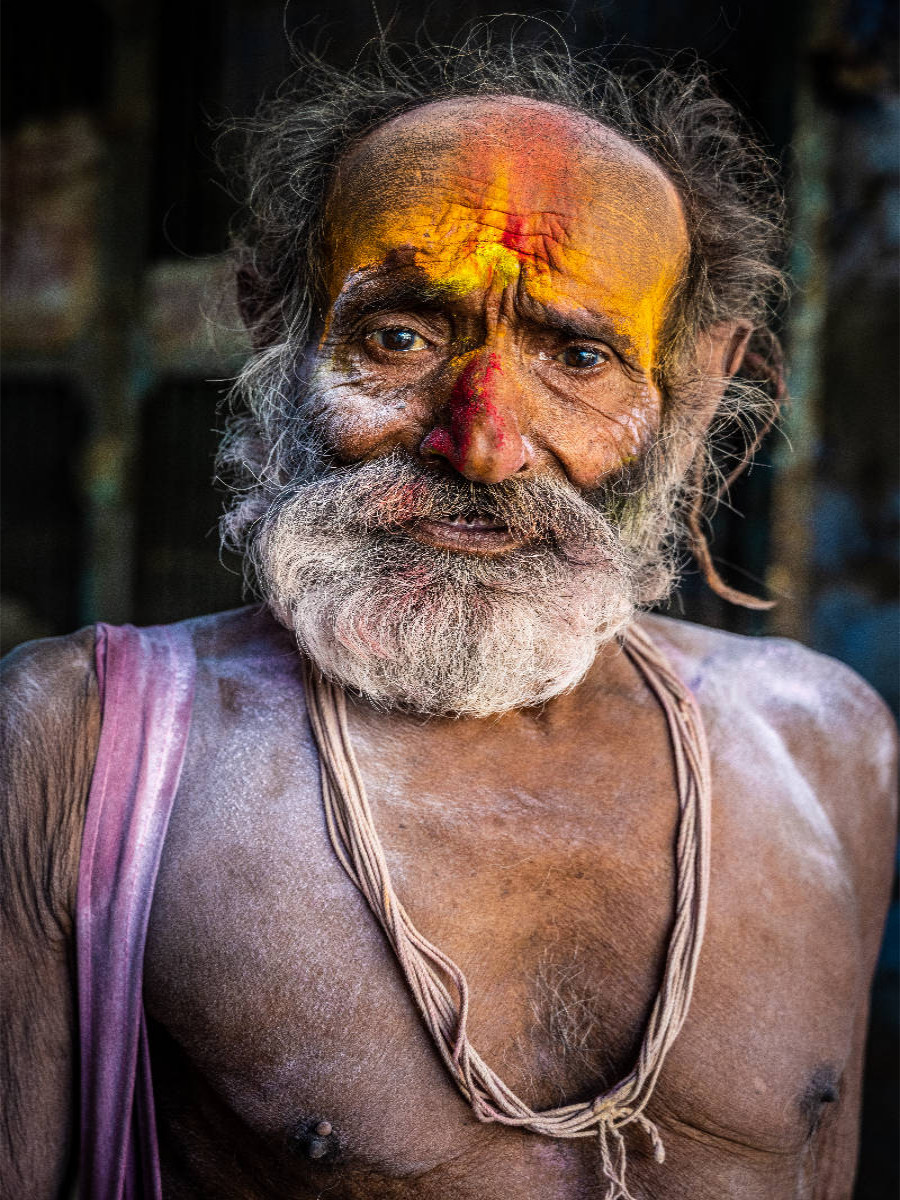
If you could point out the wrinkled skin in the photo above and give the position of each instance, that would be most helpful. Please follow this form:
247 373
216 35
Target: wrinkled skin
535 848
502 272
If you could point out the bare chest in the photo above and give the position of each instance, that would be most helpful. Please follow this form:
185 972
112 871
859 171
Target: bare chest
281 1013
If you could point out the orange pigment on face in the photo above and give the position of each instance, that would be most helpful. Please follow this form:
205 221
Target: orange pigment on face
486 213
531 204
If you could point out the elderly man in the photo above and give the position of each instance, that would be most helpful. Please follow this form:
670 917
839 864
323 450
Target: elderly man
496 888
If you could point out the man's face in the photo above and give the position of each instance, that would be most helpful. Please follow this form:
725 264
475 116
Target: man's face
500 272
499 278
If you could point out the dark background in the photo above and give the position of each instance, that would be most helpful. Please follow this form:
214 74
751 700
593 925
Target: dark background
120 334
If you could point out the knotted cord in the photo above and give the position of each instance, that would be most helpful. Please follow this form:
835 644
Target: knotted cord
438 985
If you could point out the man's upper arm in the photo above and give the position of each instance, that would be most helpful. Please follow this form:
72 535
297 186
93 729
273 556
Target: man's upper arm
859 790
857 782
50 730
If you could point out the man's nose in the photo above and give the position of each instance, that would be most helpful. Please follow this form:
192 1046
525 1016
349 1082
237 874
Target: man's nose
481 434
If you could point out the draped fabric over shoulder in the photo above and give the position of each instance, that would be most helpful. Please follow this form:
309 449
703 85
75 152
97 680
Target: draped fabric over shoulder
146 682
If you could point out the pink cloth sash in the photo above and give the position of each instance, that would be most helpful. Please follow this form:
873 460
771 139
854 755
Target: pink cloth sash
146 681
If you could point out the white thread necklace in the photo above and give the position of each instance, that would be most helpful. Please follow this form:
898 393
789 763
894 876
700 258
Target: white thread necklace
429 971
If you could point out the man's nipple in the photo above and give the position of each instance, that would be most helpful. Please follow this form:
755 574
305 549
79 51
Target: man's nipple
314 1138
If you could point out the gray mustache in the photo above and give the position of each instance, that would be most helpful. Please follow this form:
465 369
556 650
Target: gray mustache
390 493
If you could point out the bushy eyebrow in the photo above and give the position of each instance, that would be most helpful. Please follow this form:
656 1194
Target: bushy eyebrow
594 327
384 294
413 291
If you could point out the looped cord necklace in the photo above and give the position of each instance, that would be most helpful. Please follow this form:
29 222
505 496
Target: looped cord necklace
439 986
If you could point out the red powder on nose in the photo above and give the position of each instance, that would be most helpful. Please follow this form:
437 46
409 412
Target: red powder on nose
439 441
471 400
471 407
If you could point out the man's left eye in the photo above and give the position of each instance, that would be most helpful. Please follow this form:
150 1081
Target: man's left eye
582 357
402 340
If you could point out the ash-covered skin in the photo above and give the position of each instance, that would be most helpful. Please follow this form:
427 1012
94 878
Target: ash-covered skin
536 848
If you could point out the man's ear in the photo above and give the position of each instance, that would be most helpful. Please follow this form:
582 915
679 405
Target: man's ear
718 354
721 348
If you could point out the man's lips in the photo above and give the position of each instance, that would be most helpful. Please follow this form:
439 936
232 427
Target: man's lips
472 535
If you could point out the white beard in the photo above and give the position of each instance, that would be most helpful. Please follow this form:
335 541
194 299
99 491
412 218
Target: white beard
439 631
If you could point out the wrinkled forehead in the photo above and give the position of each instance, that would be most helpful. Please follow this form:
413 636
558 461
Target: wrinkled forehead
502 184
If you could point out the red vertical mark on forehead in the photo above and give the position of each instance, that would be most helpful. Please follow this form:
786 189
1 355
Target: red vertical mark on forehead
515 236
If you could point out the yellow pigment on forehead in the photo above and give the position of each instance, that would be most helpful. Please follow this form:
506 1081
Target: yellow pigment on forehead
598 253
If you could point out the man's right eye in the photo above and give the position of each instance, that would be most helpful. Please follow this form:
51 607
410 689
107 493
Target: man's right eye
400 340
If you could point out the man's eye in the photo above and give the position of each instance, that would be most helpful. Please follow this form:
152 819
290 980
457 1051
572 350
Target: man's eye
402 340
582 357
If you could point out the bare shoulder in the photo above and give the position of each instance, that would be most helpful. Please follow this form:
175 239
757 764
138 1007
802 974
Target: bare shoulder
242 640
36 671
50 730
793 687
49 694
49 699
793 705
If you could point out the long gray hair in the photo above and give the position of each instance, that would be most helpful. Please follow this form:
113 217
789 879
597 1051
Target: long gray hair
285 164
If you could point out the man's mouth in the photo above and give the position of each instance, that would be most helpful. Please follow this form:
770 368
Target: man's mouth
467 533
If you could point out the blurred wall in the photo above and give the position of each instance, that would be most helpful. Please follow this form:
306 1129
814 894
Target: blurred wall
119 328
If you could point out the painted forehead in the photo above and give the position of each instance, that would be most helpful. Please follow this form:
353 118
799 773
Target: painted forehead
477 193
